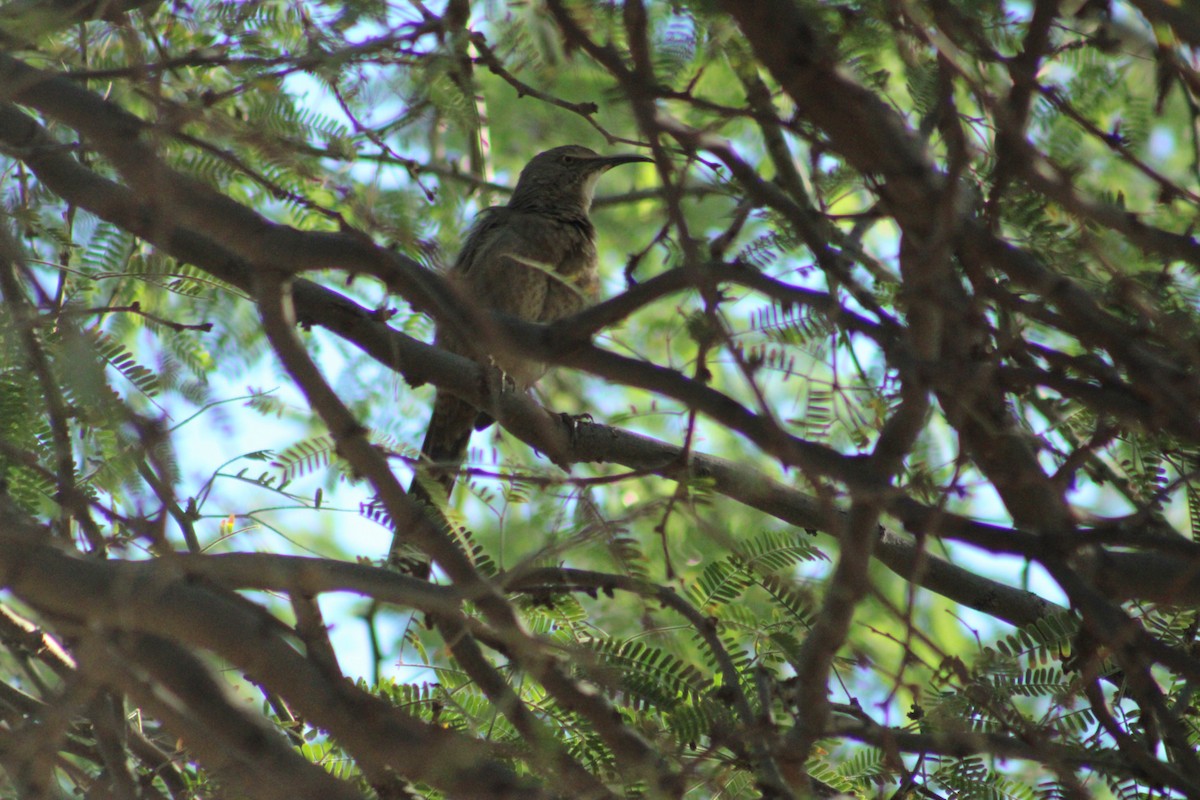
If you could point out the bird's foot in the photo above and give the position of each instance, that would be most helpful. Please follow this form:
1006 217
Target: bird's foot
574 422
410 563
496 382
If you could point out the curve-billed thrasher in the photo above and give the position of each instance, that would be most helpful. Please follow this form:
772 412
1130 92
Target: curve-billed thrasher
534 258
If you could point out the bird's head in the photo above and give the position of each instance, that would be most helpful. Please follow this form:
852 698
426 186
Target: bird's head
564 178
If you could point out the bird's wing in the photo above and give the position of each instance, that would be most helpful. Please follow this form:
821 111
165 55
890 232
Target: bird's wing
509 260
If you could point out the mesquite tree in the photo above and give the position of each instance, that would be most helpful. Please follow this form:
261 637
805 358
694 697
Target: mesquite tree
873 471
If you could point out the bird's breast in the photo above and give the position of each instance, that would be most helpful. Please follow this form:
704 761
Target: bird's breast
576 271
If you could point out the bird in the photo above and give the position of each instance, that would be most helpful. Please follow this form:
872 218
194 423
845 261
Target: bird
533 258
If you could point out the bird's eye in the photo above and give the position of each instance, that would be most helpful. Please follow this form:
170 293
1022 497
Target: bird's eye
568 159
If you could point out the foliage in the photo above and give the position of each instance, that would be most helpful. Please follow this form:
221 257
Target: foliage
887 479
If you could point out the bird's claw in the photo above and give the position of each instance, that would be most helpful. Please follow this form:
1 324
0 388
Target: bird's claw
496 381
574 422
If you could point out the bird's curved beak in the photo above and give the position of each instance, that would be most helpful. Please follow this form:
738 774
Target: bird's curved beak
608 162
600 165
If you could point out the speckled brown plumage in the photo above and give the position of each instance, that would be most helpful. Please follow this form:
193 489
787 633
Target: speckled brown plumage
534 258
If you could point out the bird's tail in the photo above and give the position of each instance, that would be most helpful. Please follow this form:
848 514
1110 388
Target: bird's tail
442 454
445 445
